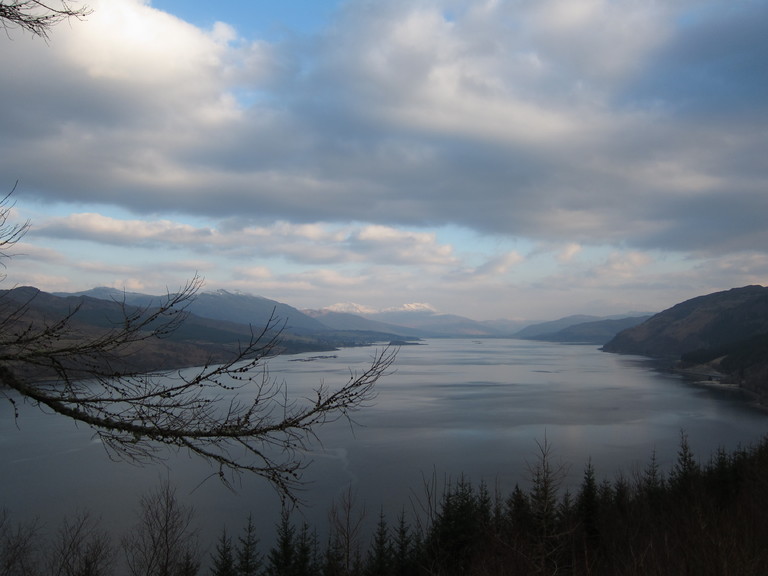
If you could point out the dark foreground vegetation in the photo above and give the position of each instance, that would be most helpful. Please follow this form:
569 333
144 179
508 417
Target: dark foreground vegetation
697 518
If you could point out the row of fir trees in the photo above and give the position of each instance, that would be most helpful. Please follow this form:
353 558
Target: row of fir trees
695 518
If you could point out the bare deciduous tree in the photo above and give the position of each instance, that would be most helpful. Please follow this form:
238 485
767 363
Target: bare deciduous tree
19 547
163 542
231 414
81 548
346 521
37 16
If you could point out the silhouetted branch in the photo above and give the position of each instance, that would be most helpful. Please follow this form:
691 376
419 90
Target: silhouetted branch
38 17
230 413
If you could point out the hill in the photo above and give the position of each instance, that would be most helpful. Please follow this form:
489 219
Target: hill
222 305
595 332
409 322
195 342
427 323
347 321
534 331
580 329
724 332
710 321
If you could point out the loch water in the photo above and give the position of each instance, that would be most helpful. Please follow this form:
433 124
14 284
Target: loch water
450 407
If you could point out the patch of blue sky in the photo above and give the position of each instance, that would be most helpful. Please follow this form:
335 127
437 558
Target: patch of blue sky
38 211
467 241
28 207
694 14
255 18
249 98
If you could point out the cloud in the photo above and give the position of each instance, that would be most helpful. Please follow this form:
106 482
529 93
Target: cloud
387 245
107 230
551 120
569 252
305 243
331 159
498 265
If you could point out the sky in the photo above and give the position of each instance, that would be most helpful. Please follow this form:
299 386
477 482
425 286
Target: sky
520 159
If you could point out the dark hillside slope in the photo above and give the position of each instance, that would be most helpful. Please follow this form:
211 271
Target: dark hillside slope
343 321
725 332
597 332
705 322
241 312
223 305
195 342
535 331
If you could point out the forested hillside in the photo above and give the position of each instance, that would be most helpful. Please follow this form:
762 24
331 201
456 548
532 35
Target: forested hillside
724 333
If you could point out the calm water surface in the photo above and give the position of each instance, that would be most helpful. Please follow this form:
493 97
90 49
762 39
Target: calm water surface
472 407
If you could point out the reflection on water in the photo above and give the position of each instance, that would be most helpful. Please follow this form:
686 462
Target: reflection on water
451 407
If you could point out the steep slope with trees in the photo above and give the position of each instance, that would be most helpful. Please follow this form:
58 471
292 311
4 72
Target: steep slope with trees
725 331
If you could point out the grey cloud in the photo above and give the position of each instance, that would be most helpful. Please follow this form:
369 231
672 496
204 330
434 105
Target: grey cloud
340 131
715 66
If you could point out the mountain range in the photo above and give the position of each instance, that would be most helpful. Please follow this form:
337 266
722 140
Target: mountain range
723 334
351 323
415 321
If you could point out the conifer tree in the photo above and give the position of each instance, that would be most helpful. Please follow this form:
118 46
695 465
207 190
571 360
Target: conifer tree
721 475
546 480
380 554
484 505
334 558
189 565
652 485
519 512
248 556
223 559
305 561
402 548
587 504
280 559
543 497
685 469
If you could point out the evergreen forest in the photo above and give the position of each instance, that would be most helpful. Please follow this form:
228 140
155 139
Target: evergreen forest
702 518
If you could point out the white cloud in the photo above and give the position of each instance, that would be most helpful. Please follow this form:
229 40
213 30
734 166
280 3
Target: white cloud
569 252
96 227
498 265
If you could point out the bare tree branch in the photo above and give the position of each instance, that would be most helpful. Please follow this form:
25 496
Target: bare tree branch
230 413
38 17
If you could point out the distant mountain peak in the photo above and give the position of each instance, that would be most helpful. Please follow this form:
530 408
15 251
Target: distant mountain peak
225 292
350 308
413 307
